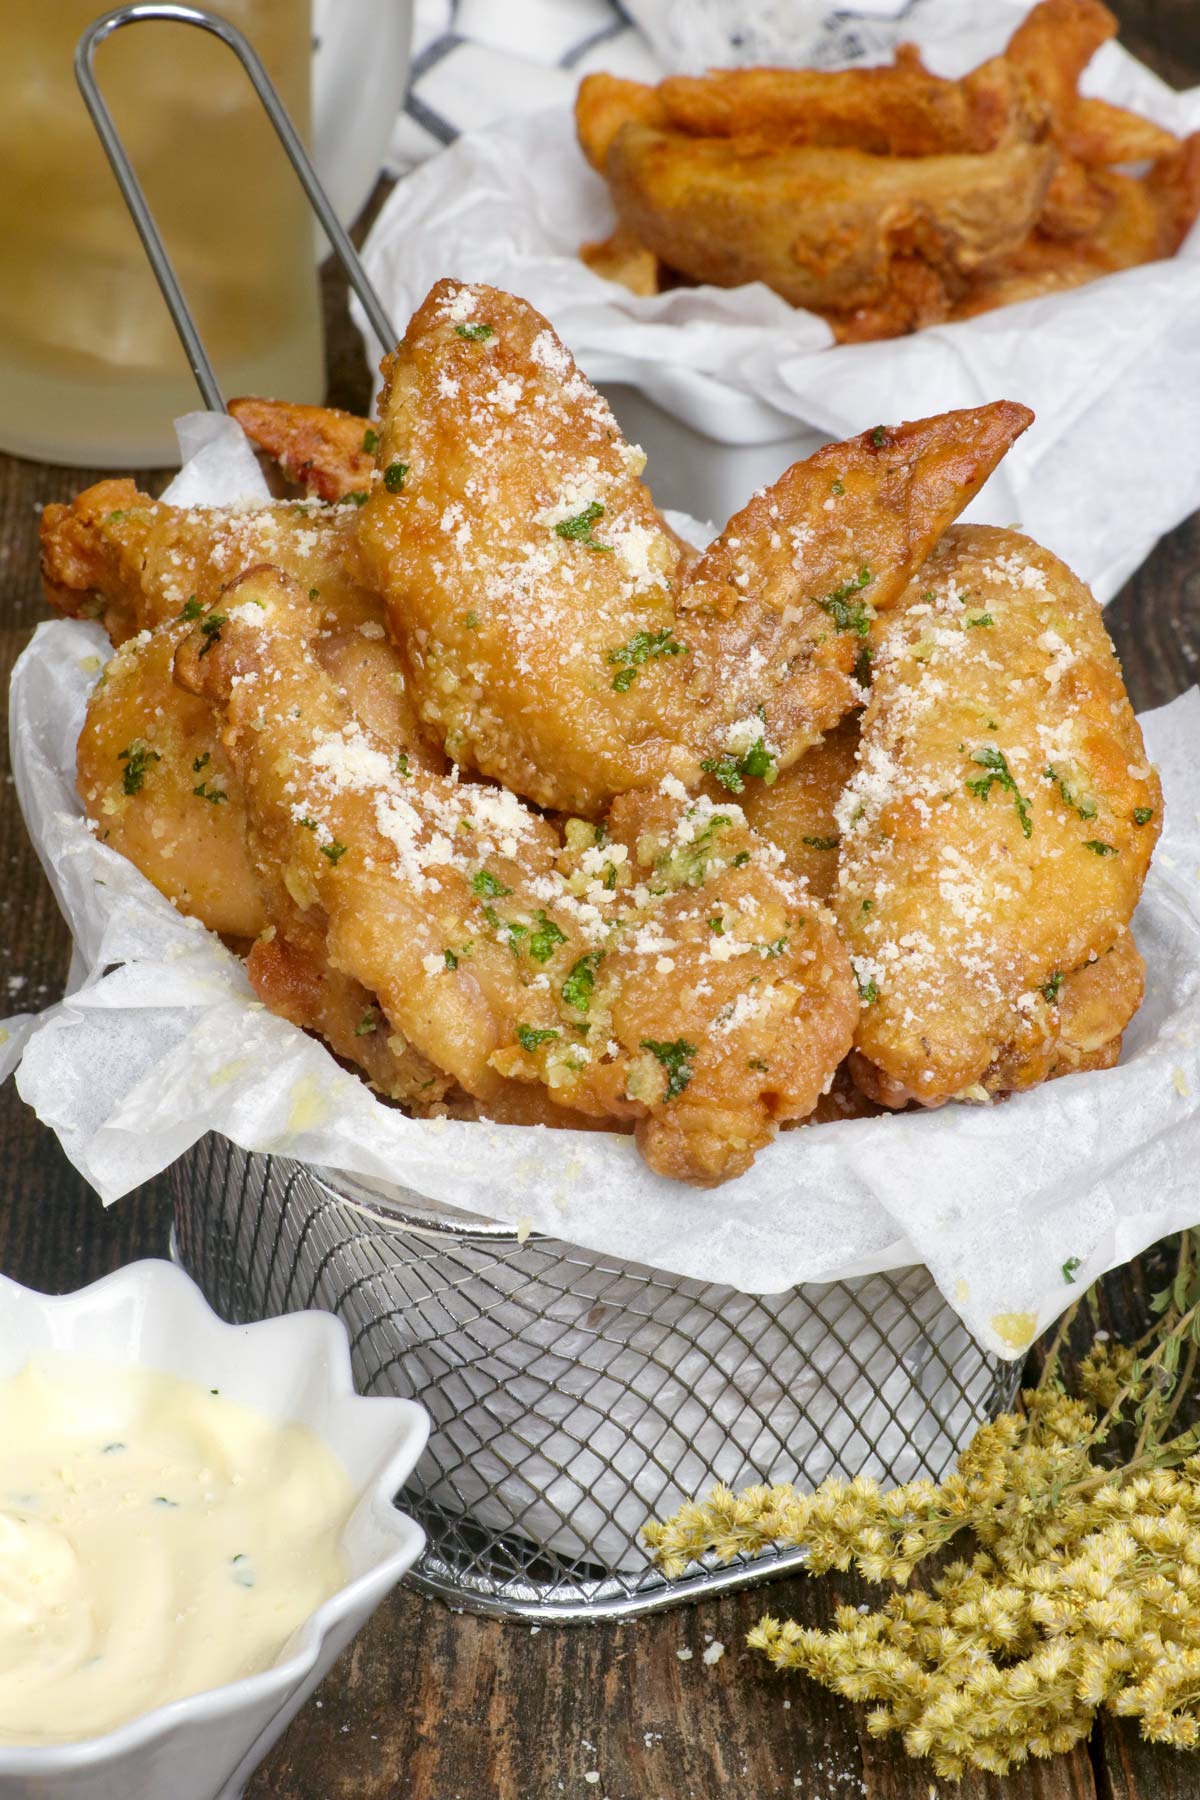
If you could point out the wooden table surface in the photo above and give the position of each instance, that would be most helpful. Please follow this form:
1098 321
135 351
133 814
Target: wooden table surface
433 1705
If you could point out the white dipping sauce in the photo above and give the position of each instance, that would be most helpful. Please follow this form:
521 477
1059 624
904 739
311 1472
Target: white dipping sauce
156 1539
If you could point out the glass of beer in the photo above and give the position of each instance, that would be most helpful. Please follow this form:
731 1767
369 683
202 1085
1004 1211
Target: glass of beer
91 372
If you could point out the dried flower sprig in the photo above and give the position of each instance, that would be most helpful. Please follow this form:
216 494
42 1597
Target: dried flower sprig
1082 1586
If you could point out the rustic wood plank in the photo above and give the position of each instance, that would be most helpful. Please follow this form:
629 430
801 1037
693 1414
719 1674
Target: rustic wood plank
434 1705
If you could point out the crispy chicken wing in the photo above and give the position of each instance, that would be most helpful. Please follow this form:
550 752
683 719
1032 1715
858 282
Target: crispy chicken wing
158 787
594 970
328 452
551 641
997 831
798 812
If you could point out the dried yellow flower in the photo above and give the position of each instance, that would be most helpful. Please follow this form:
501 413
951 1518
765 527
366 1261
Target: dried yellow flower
1082 1588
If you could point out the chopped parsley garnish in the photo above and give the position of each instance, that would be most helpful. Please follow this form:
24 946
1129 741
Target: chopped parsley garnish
486 885
847 613
356 497
1050 988
112 517
878 437
511 930
1099 848
1142 815
868 990
579 529
686 865
475 334
776 948
334 852
838 487
643 646
471 620
734 771
367 1024
192 608
393 477
1072 795
757 1063
402 764
1069 1267
675 1058
980 619
530 1036
314 593
717 925
862 666
449 958
820 843
308 824
545 939
868 906
370 441
741 859
200 762
996 763
610 877
210 630
137 758
204 792
580 984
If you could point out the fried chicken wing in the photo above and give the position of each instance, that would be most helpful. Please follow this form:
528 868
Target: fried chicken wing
798 811
822 227
116 553
592 969
552 641
299 985
997 831
328 452
158 787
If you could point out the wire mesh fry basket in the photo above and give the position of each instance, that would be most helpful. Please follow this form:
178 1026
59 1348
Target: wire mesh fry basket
573 1396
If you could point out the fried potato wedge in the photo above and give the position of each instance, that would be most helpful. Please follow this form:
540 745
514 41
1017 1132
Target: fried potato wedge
823 228
498 955
622 258
899 109
997 831
1053 45
606 102
1096 131
553 641
327 452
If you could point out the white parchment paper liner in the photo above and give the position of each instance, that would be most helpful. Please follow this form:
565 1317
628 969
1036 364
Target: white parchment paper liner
163 1040
1111 369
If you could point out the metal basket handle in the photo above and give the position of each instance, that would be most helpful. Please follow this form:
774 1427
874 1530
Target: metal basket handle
135 199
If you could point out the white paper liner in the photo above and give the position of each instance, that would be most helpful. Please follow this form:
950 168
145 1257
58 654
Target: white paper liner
163 1041
1111 369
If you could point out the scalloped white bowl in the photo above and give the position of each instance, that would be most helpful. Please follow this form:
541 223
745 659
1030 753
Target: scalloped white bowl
294 1368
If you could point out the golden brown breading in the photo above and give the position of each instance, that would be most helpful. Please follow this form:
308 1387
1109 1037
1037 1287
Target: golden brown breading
496 956
797 812
822 227
897 109
328 452
116 553
158 787
606 102
997 832
299 985
551 641
620 257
